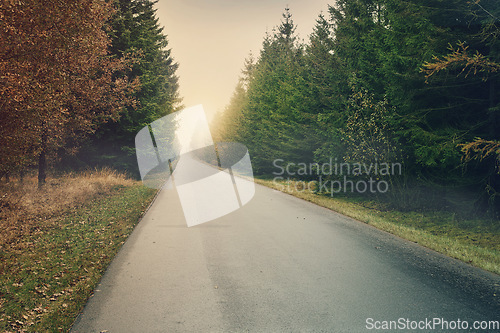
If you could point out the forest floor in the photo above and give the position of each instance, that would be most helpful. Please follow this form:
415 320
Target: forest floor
56 242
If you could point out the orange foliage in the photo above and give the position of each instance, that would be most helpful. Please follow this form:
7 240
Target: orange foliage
460 58
480 149
56 78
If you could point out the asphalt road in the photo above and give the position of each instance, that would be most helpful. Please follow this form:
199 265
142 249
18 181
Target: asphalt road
280 264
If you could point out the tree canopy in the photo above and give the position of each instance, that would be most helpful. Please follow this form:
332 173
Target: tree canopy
381 80
58 82
136 33
84 76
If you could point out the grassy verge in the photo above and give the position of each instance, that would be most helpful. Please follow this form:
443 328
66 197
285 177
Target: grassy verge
474 241
57 242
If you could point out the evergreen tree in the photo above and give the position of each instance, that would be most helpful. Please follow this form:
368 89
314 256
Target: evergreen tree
328 90
136 33
475 63
228 125
276 120
385 43
359 86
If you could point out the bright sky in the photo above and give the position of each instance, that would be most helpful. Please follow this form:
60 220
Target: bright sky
210 40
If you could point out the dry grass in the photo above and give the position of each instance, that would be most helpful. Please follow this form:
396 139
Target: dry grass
55 244
25 209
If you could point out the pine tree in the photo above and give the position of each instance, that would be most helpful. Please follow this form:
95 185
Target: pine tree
328 90
276 123
476 65
136 33
384 43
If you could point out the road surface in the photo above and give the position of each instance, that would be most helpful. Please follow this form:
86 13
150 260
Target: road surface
280 264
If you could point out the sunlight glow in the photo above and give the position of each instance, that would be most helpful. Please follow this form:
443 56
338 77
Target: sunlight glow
192 130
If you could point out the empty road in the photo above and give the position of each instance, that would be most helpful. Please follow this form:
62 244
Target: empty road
280 264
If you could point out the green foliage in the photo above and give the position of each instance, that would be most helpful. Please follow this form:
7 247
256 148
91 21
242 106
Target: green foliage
136 33
368 135
268 112
328 90
298 103
227 125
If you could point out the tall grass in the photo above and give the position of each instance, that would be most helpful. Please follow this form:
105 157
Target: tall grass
24 208
56 242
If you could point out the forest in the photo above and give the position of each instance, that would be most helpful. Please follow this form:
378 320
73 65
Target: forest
78 80
409 83
412 84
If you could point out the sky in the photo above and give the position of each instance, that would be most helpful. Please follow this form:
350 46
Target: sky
210 40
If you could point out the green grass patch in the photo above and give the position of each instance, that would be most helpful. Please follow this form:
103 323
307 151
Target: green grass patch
47 274
474 241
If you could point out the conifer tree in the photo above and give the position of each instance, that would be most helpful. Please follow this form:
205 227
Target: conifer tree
276 120
136 33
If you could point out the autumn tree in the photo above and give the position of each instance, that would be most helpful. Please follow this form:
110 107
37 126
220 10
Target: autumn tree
58 82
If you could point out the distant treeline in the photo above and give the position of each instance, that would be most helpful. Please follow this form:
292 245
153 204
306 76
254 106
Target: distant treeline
382 81
78 80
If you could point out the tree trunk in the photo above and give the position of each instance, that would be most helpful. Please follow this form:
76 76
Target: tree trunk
492 112
42 161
